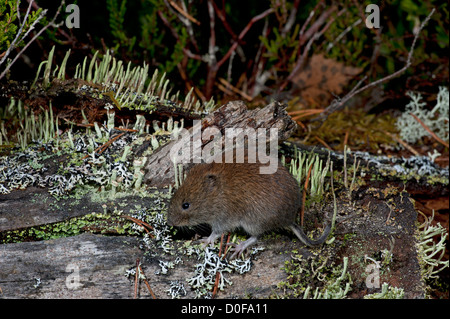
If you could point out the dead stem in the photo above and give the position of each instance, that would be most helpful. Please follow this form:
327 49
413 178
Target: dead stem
140 223
302 211
136 277
221 247
147 284
428 130
103 147
405 145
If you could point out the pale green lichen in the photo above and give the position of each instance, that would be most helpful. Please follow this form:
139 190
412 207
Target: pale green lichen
430 252
128 86
387 292
299 167
330 281
436 120
333 288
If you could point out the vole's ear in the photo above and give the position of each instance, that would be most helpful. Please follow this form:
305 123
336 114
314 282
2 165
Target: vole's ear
211 181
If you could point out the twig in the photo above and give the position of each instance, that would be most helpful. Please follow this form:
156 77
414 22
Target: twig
213 64
338 104
140 223
313 34
184 13
136 277
304 113
225 85
175 35
244 32
346 137
216 283
302 210
323 143
399 140
103 147
51 23
428 130
16 39
227 247
292 17
147 284
222 17
226 250
343 33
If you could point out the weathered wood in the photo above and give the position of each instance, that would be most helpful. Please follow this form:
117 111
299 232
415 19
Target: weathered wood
364 228
159 167
34 206
85 266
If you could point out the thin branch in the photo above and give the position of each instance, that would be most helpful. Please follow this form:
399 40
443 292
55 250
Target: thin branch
136 279
222 17
338 104
226 87
147 284
175 35
51 24
213 65
184 13
212 38
12 46
399 140
291 19
181 13
140 223
313 37
243 33
302 210
429 131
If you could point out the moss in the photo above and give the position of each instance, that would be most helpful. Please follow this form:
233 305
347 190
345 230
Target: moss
365 131
104 223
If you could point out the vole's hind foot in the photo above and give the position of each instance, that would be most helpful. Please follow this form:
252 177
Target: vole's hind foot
241 247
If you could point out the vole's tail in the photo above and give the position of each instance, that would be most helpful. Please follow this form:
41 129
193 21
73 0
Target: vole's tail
298 231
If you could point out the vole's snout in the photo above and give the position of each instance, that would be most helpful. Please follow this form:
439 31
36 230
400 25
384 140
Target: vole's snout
173 219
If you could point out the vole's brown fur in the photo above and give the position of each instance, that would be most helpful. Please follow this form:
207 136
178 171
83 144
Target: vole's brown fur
228 196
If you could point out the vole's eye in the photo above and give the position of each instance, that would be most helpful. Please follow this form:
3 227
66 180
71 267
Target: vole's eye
185 206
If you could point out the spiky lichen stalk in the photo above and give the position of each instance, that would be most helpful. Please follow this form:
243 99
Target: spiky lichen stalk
140 123
126 151
62 69
138 174
97 130
430 252
48 68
